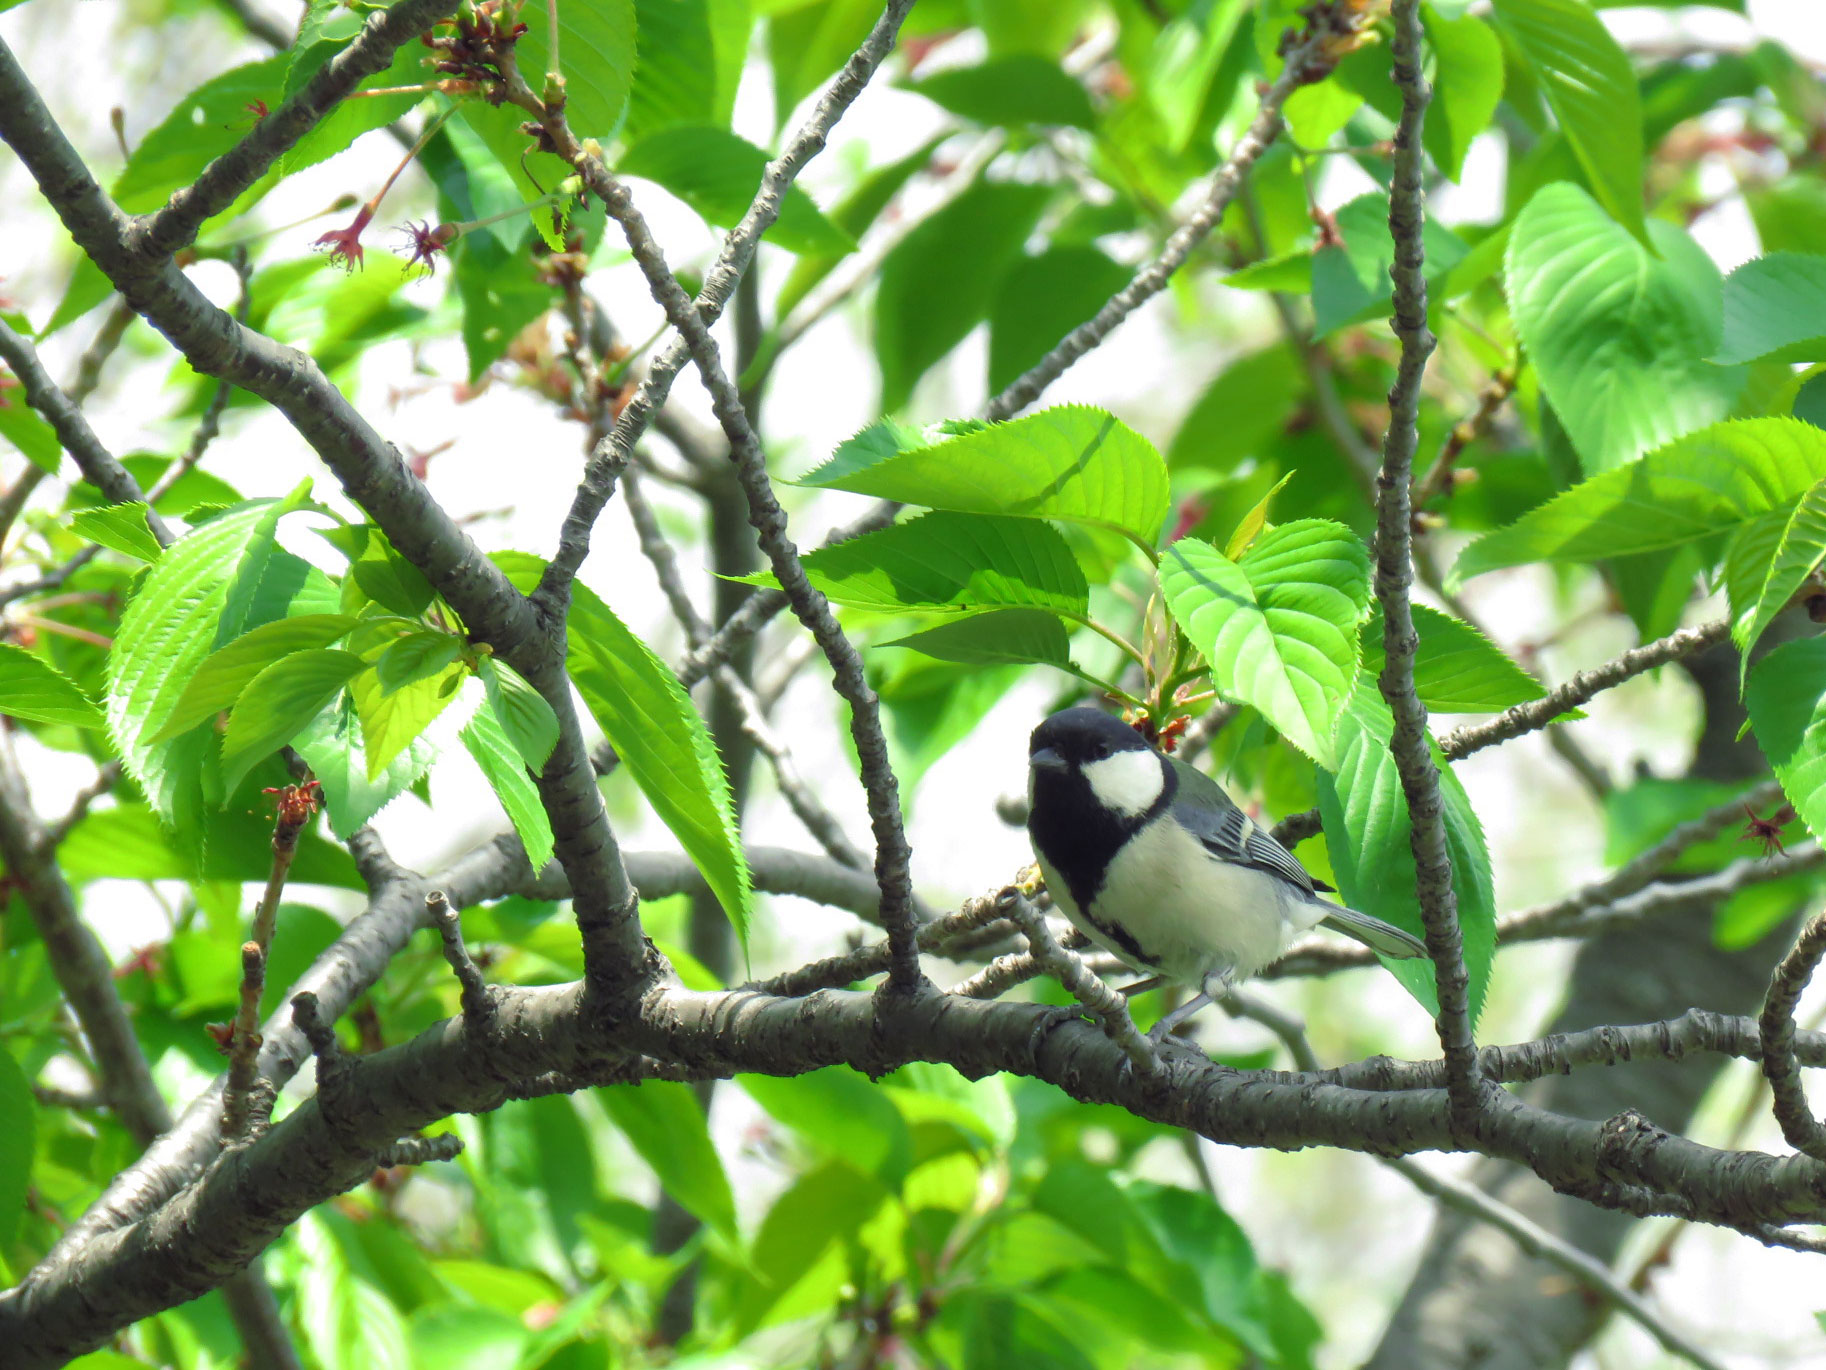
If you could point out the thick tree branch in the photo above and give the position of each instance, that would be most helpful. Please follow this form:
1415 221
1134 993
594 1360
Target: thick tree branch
154 237
374 476
249 1195
1437 897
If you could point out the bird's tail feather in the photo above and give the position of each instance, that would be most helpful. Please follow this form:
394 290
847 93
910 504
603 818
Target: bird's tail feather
1385 939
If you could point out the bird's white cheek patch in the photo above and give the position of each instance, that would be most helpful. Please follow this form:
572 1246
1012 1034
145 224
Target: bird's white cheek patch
1127 783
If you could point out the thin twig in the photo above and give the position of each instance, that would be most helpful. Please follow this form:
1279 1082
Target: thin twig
296 809
936 936
1305 64
1439 477
1434 891
478 1004
893 858
1108 1007
1788 1098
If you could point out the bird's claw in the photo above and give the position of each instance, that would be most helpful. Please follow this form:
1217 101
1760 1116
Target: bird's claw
1051 1018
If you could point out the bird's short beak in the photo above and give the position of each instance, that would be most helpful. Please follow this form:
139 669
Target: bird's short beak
1046 759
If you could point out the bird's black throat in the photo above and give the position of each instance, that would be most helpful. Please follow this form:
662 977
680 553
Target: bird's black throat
1078 835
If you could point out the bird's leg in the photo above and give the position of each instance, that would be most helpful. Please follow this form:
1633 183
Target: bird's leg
1051 1017
1163 1029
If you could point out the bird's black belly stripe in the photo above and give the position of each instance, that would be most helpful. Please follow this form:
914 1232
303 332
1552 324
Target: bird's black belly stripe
1121 936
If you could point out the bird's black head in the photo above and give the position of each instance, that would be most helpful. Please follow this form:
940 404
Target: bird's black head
1093 781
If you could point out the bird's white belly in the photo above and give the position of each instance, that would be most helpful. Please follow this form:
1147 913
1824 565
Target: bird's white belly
1190 914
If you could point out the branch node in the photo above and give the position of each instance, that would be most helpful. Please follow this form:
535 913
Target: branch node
445 1146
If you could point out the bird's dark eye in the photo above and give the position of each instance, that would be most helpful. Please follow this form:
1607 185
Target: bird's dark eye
1099 750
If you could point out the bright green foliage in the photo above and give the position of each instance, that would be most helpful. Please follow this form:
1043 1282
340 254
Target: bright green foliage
332 744
487 742
16 1143
999 637
1786 697
1769 560
391 720
32 688
1707 483
970 244
1467 84
951 563
1773 309
691 55
717 174
1279 628
122 527
210 586
525 717
1587 79
1457 669
1070 463
658 734
278 702
206 123
35 439
1619 334
665 1124
1367 830
1020 89
597 47
1041 300
218 682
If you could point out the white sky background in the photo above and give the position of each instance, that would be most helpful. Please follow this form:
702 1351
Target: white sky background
1351 1259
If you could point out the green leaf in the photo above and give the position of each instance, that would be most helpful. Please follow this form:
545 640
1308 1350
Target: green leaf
717 173
278 703
1000 637
1775 310
30 687
218 682
596 44
332 744
205 590
1073 463
691 55
1618 334
414 657
1467 86
505 771
1241 414
854 214
386 577
121 527
1041 300
969 246
1588 81
1249 527
1366 834
1457 670
1786 698
128 842
1705 483
1279 629
350 118
1185 58
661 739
808 43
665 1124
206 123
456 1336
89 286
392 720
841 1115
1017 90
944 561
1350 281
36 440
524 715
1768 562
17 1142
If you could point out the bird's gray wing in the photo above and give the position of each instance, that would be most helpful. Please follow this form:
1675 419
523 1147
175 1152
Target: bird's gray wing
1229 834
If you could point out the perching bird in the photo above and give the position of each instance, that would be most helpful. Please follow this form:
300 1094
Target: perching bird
1151 860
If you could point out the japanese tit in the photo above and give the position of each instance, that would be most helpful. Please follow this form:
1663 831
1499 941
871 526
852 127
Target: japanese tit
1150 859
